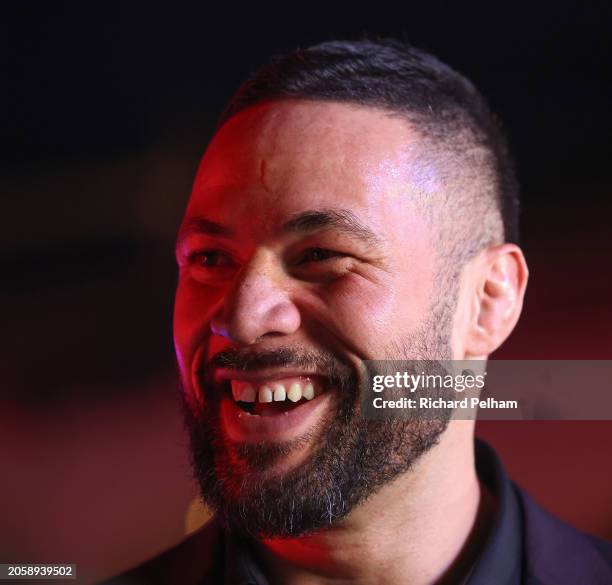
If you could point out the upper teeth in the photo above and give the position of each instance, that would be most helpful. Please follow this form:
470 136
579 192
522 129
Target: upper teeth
293 390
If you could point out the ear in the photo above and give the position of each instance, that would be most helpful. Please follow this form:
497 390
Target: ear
498 288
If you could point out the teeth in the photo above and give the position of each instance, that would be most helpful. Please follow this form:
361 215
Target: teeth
265 394
280 393
295 392
243 392
308 391
247 394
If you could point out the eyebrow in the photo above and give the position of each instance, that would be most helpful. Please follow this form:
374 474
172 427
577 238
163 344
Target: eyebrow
343 220
201 225
305 222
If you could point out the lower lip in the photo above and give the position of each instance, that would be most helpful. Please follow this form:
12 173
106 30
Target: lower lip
243 427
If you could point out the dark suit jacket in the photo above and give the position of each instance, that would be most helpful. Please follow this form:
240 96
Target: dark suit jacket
541 549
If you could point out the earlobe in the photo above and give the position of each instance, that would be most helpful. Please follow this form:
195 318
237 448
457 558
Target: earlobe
500 283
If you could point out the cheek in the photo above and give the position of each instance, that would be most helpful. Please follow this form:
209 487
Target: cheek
193 307
370 311
368 315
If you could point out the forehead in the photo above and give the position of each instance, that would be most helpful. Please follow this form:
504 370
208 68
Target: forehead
280 158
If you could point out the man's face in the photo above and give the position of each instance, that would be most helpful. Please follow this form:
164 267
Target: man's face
305 248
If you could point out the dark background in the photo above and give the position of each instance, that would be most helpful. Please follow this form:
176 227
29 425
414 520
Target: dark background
105 111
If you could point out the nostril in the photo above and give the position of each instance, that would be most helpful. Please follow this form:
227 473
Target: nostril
218 328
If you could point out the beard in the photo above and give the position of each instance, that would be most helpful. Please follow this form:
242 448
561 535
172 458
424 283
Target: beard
350 458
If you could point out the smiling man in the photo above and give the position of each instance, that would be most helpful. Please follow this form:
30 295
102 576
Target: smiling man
357 202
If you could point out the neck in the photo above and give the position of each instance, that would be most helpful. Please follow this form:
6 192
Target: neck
425 527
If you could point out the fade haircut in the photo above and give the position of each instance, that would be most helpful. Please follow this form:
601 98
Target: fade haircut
464 145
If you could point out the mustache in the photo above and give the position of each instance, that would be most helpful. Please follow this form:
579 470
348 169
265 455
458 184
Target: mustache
246 360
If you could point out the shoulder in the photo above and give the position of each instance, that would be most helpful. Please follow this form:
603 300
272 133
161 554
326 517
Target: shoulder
558 554
197 559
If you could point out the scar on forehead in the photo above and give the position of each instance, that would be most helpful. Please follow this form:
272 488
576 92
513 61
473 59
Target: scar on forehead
262 175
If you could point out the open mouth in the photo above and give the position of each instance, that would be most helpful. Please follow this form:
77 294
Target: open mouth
272 406
273 397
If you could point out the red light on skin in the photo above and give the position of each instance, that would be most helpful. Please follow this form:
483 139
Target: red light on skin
311 554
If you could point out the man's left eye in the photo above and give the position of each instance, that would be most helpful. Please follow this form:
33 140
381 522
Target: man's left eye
317 255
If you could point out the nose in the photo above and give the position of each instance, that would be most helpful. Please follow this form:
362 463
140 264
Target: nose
256 304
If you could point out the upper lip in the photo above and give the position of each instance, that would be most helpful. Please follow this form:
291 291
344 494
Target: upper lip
223 374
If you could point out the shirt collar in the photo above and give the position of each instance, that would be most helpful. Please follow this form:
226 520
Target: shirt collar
240 565
502 556
500 560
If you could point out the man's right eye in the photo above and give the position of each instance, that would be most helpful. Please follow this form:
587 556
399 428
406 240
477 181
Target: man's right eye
211 266
211 259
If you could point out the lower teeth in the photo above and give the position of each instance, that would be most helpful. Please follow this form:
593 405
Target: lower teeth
247 406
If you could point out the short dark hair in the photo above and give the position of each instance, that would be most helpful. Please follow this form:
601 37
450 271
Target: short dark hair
443 106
